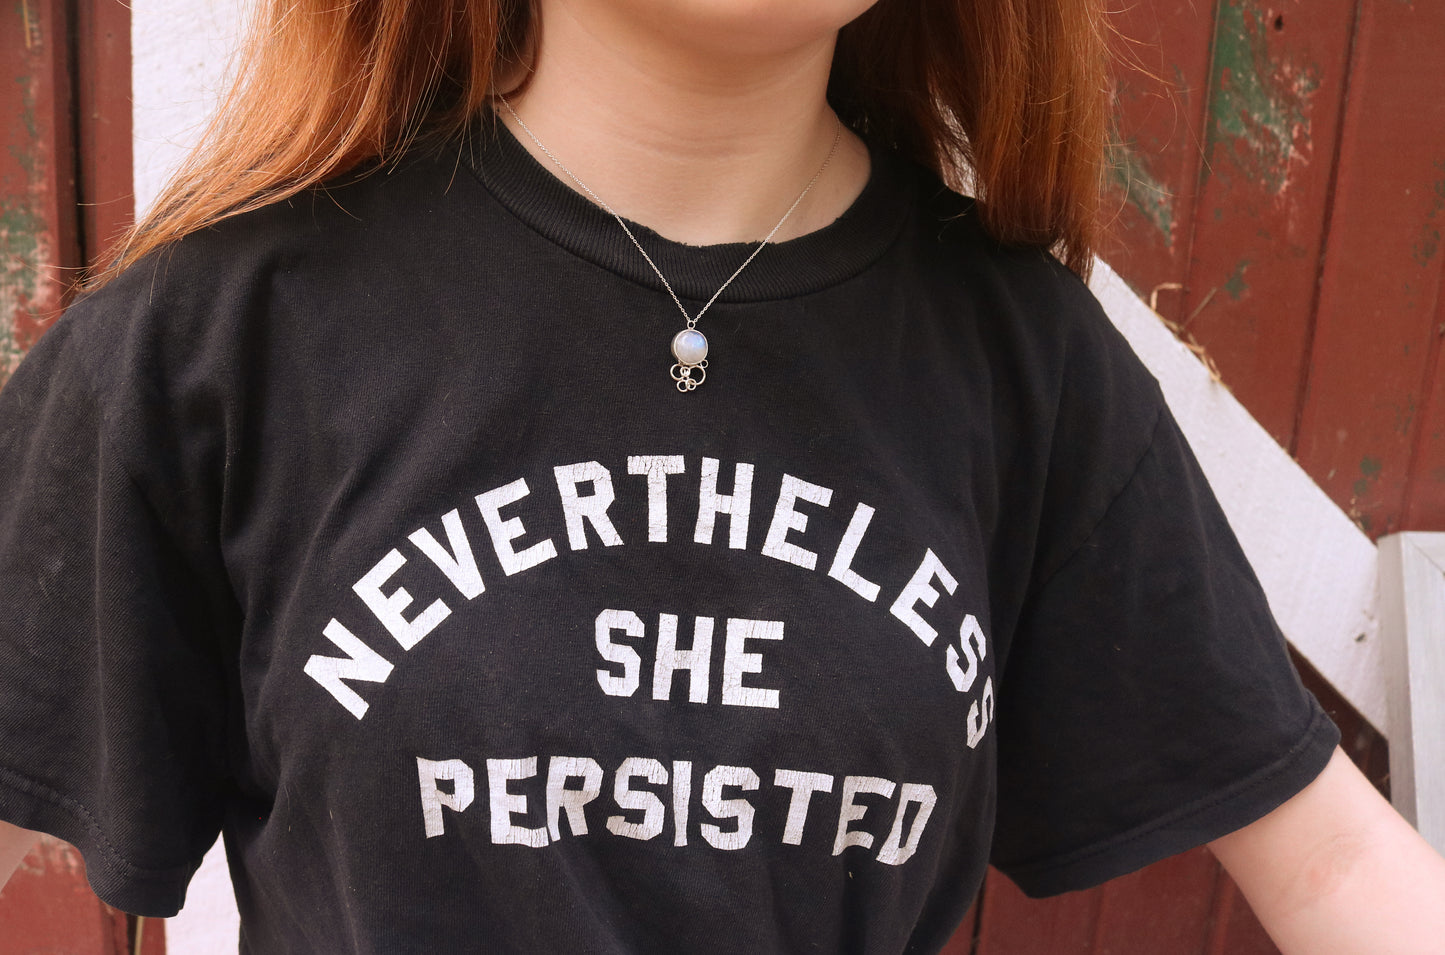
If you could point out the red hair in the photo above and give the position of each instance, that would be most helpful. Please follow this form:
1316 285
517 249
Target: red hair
1004 97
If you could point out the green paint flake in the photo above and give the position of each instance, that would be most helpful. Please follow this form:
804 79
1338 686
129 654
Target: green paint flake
24 240
1259 104
28 117
1423 249
22 251
1129 173
1235 284
1405 417
1370 469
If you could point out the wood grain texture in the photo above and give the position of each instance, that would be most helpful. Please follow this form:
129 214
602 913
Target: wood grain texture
39 246
1305 251
1279 191
47 907
1425 482
103 126
1160 93
1376 335
1278 76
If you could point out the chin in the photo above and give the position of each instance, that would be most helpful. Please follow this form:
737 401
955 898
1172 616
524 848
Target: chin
739 27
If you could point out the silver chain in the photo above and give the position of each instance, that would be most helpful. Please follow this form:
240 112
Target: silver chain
691 319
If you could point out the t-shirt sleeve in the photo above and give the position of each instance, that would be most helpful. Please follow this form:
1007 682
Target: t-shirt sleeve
112 701
1148 704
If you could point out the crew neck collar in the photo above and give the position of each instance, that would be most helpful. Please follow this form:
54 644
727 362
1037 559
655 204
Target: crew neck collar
808 263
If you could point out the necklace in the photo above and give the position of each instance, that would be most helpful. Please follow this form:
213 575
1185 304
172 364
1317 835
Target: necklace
689 346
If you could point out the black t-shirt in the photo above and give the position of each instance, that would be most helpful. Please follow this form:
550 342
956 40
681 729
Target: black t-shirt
371 531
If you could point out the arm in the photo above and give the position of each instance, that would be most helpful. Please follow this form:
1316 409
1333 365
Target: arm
14 844
1336 871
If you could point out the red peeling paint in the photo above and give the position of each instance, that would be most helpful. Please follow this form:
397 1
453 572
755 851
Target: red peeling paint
39 249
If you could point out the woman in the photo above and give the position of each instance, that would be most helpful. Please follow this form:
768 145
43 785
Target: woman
504 551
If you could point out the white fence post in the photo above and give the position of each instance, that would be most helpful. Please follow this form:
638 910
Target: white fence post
1412 628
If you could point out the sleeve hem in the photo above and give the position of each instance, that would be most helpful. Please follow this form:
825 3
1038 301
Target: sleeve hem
154 893
1202 821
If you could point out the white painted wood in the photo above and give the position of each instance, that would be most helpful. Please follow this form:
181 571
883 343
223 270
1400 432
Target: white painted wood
1316 566
1412 618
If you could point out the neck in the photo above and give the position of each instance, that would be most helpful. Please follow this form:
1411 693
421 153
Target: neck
703 145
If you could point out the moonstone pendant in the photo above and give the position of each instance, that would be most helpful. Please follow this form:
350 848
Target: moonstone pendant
689 347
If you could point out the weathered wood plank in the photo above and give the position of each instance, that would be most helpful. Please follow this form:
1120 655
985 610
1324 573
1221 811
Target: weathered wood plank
1277 81
39 251
1412 612
1376 322
1425 484
104 125
47 906
1160 89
